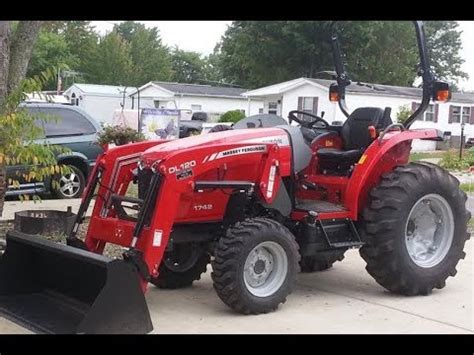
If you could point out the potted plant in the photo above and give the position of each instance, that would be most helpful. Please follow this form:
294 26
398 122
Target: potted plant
119 135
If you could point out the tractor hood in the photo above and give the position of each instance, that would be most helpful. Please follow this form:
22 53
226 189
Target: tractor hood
261 135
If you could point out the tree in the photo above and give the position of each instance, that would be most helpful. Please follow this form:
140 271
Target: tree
254 53
111 63
149 57
51 51
15 52
444 43
188 67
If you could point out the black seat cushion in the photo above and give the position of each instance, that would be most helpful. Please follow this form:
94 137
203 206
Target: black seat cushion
355 137
342 156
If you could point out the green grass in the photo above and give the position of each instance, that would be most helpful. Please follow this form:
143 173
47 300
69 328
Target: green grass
466 187
415 156
132 190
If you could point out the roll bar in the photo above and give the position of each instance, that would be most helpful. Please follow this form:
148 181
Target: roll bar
430 84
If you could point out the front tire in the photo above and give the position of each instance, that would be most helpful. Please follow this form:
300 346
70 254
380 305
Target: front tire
415 228
255 266
181 266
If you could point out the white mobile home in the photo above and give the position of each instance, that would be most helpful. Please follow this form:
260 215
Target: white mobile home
312 95
215 100
101 101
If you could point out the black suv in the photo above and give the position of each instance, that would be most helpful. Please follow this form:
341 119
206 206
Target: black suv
74 129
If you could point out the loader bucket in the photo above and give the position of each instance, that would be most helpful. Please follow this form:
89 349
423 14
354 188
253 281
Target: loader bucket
54 288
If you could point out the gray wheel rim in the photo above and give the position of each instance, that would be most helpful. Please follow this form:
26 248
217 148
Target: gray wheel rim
69 184
265 269
429 230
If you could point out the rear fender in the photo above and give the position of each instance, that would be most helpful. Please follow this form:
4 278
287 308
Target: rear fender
381 157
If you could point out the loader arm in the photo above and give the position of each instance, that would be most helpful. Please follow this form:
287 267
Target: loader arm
178 173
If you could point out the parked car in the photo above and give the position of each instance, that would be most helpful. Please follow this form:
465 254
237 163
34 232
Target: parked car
193 126
74 129
469 143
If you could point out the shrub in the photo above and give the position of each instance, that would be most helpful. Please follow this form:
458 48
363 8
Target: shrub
403 113
451 160
19 135
119 135
232 116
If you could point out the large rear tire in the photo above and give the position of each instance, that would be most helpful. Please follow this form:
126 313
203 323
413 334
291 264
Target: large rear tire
415 228
181 267
322 261
255 266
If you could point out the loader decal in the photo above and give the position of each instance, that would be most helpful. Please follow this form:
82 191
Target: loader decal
282 140
236 151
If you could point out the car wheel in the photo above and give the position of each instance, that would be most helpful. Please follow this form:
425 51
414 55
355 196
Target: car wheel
71 183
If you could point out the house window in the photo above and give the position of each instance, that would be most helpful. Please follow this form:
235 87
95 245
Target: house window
466 114
308 104
429 113
272 108
459 113
260 110
196 108
74 100
156 103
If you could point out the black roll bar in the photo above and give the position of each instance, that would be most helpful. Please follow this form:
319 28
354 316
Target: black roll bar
424 71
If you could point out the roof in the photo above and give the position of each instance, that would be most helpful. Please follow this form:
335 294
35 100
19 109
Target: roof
102 89
46 97
200 90
356 88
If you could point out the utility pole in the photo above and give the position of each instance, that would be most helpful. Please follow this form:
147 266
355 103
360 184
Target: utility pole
462 138
58 87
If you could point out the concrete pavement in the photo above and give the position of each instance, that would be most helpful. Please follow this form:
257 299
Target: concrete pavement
11 207
344 299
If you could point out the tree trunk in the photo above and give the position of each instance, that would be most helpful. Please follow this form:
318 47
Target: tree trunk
4 59
20 51
4 63
3 186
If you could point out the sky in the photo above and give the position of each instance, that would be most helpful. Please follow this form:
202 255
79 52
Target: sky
202 36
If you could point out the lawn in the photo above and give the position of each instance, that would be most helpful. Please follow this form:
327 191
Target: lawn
415 156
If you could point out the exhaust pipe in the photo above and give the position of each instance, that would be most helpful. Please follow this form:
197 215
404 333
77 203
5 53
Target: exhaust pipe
54 288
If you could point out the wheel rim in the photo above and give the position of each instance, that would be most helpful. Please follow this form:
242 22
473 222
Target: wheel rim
182 258
429 230
69 184
265 269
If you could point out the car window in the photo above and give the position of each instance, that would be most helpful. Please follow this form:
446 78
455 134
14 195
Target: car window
63 122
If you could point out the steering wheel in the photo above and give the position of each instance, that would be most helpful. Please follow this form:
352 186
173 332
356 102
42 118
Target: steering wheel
292 117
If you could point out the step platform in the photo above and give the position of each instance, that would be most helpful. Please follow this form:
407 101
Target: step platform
319 206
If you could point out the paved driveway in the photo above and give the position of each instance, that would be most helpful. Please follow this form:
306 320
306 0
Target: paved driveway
344 299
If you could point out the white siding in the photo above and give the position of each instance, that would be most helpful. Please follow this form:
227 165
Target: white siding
102 107
333 113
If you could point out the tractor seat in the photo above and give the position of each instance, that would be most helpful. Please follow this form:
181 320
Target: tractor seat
340 155
355 137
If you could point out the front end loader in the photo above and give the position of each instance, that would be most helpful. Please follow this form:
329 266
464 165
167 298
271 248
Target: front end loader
259 205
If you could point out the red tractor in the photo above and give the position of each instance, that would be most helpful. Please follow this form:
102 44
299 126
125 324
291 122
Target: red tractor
259 205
